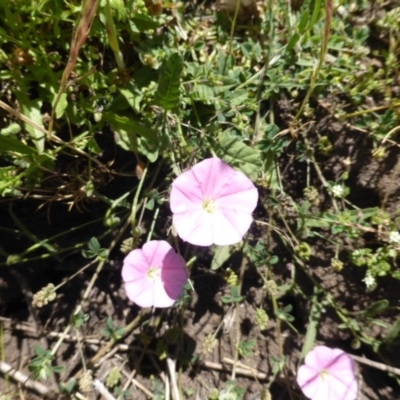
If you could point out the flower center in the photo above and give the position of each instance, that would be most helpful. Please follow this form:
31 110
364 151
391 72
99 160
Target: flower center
324 374
209 206
152 273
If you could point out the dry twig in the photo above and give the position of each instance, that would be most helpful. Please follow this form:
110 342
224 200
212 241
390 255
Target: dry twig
25 381
252 373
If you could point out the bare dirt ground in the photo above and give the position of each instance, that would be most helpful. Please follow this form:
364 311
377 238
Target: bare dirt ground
24 327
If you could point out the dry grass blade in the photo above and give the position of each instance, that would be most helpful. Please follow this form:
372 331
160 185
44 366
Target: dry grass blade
80 36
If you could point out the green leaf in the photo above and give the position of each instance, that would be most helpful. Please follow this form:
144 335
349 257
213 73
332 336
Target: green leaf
150 205
132 95
94 244
67 388
118 7
203 93
292 41
376 308
396 275
39 351
240 155
93 147
110 323
245 348
239 97
142 23
305 17
236 297
132 135
58 369
61 105
315 315
273 260
9 181
77 320
33 113
316 13
393 333
168 90
221 254
10 143
11 129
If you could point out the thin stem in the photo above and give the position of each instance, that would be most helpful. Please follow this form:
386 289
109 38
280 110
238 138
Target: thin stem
112 37
153 223
233 26
136 199
237 318
321 59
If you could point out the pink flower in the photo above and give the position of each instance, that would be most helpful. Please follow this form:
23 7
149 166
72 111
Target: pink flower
154 275
328 374
212 203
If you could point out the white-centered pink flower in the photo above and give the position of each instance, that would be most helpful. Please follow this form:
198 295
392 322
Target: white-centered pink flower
154 275
212 203
328 374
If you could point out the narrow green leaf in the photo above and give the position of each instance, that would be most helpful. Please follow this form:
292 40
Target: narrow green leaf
376 308
61 105
32 111
58 369
315 314
316 13
168 90
303 21
292 41
10 143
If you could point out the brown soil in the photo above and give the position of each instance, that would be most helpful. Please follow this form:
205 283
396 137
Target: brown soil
372 183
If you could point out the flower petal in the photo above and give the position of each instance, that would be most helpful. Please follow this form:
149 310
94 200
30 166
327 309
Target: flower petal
230 226
344 387
165 287
328 374
140 292
235 199
212 174
220 228
320 357
174 274
307 379
155 252
239 197
194 227
135 266
341 363
186 194
161 298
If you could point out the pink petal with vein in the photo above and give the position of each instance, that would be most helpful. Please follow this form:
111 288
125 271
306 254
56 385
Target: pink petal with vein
166 286
328 374
233 194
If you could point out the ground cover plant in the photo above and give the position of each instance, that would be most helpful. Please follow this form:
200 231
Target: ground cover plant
199 200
